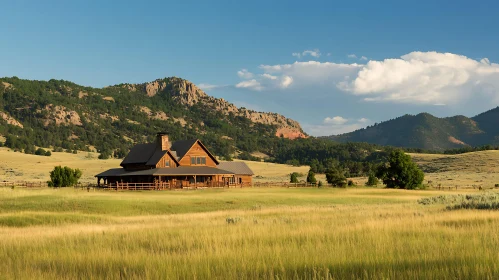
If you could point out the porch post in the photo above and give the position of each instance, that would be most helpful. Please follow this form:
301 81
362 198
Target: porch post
195 181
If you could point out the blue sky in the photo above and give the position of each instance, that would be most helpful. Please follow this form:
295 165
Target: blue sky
333 66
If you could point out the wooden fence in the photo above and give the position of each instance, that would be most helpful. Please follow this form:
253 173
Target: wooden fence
167 186
24 184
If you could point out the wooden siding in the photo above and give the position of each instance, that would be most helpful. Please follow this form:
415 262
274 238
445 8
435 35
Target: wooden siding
197 151
244 179
166 158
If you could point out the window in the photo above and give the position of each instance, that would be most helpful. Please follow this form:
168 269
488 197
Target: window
167 163
198 160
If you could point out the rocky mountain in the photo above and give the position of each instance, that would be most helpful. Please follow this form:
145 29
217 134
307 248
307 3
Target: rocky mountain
63 114
429 132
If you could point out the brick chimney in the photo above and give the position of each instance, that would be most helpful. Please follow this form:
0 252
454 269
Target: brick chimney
162 141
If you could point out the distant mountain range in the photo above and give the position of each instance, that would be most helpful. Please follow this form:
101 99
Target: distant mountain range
428 132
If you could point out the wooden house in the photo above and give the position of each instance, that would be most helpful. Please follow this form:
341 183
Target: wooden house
179 164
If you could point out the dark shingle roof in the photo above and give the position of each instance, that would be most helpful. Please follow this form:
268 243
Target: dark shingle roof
149 154
237 167
140 153
112 172
158 154
182 147
177 171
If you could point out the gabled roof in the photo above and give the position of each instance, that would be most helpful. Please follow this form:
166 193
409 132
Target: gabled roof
149 154
158 154
140 153
237 167
182 147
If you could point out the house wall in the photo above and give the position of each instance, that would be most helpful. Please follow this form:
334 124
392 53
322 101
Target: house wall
197 150
244 179
166 158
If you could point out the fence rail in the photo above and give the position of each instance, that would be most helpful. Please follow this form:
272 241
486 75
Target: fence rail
24 184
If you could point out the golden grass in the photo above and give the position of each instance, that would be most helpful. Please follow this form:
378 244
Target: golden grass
469 170
292 234
22 167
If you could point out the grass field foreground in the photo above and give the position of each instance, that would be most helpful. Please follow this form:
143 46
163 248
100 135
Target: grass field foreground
270 233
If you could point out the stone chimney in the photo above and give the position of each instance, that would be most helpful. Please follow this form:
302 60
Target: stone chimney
163 141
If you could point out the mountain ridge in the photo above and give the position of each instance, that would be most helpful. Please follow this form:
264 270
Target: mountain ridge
428 132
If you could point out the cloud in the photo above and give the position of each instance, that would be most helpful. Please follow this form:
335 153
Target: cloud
352 56
268 76
335 120
425 78
301 74
244 74
286 81
315 53
250 84
335 125
206 87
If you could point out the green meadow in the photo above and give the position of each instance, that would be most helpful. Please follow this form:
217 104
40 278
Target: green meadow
267 233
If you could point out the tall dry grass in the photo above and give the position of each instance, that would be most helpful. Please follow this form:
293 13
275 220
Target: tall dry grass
302 234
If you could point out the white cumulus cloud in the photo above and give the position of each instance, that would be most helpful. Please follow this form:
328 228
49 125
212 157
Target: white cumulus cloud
335 120
208 86
244 74
250 84
315 53
425 78
335 125
352 56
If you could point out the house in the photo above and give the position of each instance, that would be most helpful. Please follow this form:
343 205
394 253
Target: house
179 164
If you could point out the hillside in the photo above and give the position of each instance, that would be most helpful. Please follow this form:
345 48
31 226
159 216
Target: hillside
429 132
59 113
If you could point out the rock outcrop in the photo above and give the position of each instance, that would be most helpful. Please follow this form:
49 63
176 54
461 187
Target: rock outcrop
10 120
60 115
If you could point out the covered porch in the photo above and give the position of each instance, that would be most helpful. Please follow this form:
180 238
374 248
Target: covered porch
166 178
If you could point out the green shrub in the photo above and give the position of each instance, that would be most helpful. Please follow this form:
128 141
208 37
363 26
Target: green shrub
48 154
486 200
64 177
311 177
336 178
293 177
351 183
372 180
319 184
40 152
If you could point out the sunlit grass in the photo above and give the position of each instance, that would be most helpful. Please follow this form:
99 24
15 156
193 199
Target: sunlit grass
276 234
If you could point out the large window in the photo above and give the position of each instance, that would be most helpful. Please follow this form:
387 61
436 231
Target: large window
198 160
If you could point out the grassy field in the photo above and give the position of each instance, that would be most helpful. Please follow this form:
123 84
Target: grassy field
470 170
269 233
